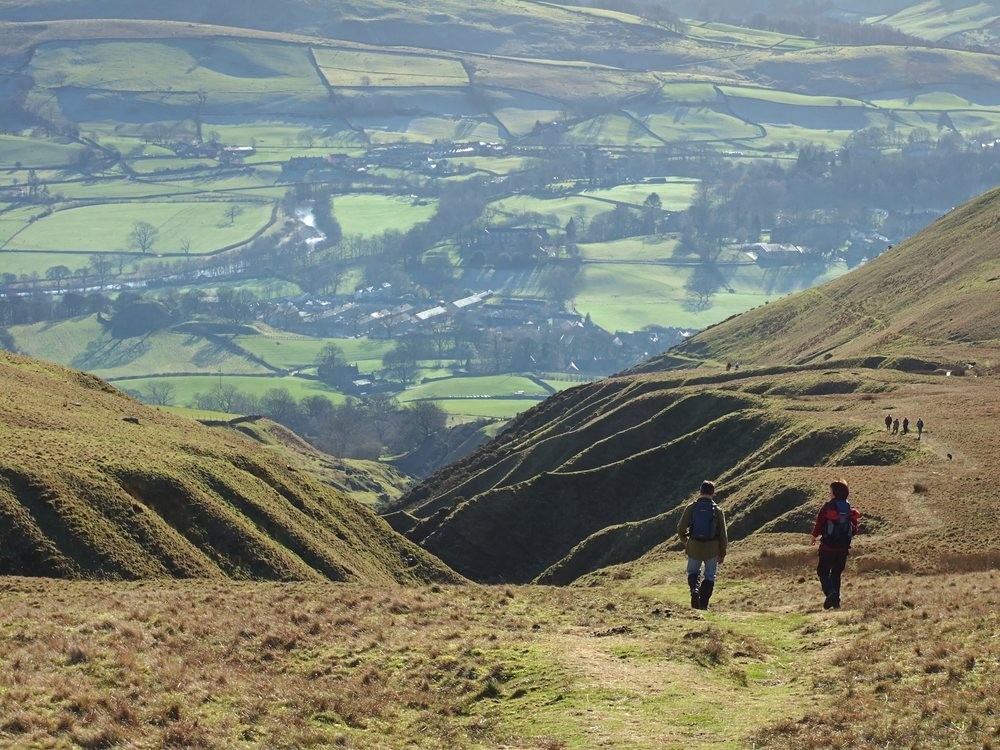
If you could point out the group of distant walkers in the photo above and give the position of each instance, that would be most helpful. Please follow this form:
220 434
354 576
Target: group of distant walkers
702 529
893 425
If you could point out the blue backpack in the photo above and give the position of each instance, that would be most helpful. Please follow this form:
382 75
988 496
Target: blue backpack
839 532
703 523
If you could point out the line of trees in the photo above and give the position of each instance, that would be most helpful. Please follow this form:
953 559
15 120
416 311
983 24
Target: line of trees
368 428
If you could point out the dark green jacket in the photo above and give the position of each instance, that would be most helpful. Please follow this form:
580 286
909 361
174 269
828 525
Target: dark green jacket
696 548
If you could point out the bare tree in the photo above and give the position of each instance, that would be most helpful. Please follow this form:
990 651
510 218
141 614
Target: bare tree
160 393
142 236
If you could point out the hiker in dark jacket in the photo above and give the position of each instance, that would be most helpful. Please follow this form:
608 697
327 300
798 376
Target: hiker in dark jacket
836 524
702 528
888 422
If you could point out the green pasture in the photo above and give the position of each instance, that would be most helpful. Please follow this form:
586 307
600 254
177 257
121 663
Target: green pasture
224 69
186 387
687 123
675 195
723 33
928 99
151 165
631 249
83 343
371 215
497 408
688 93
474 386
557 211
34 153
397 129
356 68
290 351
938 19
273 136
629 297
611 130
106 227
520 121
496 164
13 220
789 98
973 122
779 135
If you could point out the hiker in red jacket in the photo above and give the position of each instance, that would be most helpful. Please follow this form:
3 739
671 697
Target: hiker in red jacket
836 524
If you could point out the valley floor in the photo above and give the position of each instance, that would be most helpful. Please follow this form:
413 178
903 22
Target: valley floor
910 661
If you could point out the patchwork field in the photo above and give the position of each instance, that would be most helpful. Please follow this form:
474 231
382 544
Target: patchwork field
106 228
366 69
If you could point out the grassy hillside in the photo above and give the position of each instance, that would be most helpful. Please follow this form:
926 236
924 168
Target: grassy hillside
93 484
597 475
932 297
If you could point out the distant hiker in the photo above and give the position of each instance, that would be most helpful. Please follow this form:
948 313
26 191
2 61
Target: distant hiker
729 366
888 422
736 366
906 425
895 426
702 528
836 524
920 428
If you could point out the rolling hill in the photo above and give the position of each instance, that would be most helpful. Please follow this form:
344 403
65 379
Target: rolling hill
931 297
597 475
96 485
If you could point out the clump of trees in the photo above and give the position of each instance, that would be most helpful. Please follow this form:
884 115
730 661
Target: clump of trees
359 428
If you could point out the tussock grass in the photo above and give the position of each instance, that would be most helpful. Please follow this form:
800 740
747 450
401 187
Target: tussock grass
210 664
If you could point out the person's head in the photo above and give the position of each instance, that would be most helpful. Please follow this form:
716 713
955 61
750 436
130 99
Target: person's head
839 490
708 488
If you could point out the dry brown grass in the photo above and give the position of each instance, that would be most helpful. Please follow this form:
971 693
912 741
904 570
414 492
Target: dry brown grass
918 668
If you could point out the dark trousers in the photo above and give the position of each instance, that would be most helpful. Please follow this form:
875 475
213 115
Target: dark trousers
831 565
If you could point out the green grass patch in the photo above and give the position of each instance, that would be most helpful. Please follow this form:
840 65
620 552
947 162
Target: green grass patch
229 71
371 215
489 385
105 228
624 297
355 68
83 343
35 153
428 129
497 408
631 249
611 130
289 351
675 195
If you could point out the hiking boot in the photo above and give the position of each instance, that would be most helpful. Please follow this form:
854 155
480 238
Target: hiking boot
835 604
707 587
828 602
695 592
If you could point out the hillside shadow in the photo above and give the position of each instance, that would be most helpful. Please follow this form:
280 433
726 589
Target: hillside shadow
106 353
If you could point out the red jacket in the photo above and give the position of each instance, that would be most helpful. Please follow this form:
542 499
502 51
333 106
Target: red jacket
829 513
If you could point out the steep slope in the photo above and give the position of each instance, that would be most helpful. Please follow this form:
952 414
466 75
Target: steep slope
94 484
933 296
597 475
